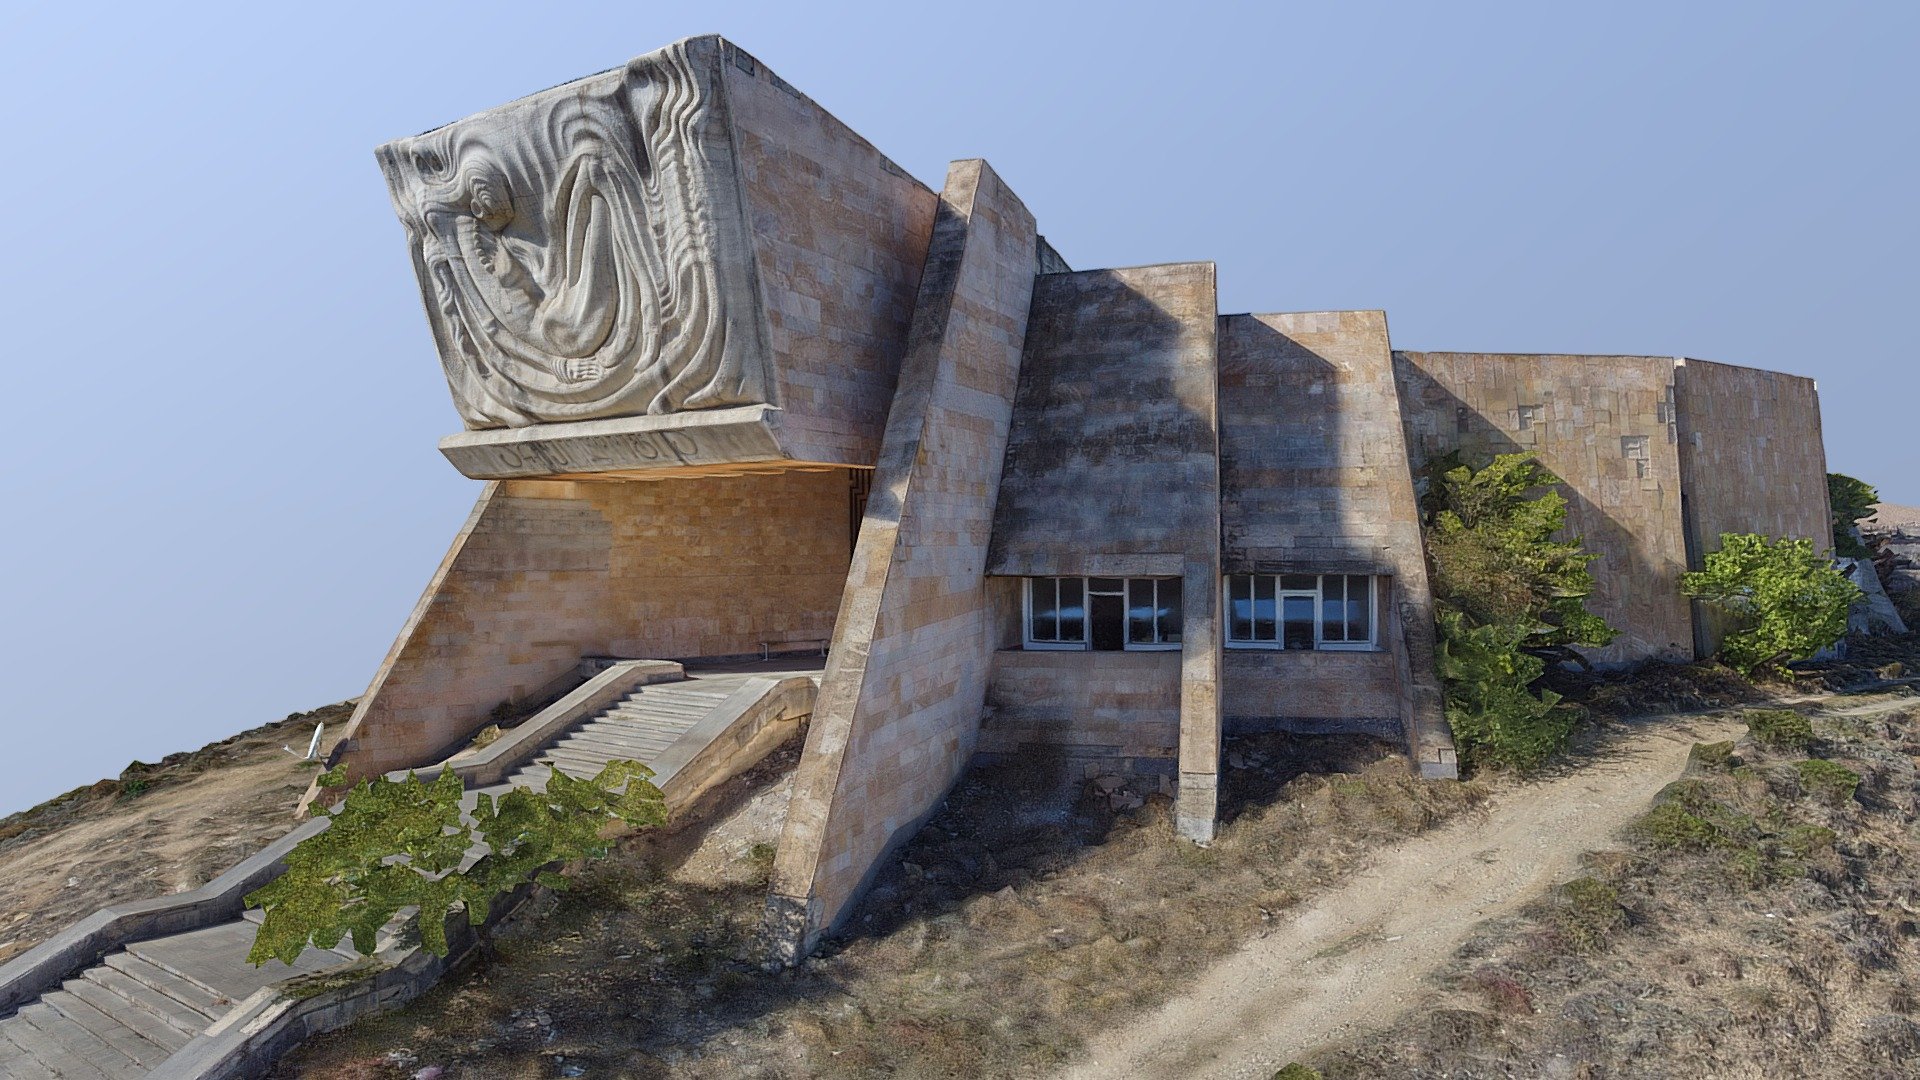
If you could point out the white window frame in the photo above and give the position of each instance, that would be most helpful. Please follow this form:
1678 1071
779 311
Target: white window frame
1085 644
1317 594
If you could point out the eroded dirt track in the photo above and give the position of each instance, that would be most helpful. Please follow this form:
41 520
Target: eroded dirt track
1353 958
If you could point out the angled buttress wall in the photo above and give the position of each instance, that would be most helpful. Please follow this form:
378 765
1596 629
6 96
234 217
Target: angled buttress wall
899 706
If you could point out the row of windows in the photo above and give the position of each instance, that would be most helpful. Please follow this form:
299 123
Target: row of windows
1264 611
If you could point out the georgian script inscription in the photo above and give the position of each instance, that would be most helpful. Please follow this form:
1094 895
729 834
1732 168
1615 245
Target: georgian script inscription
583 252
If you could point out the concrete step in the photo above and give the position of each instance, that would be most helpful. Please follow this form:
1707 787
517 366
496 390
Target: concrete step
52 1055
209 1004
617 741
215 957
176 1014
689 713
110 1029
678 725
78 1041
142 1022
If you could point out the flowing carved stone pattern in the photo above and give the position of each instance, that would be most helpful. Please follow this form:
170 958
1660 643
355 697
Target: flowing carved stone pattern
583 253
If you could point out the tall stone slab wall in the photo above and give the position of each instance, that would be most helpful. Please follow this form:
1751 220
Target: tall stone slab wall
1113 470
899 706
545 572
1608 427
1314 478
1752 460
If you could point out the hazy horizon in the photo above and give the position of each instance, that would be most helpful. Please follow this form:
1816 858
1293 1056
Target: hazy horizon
230 497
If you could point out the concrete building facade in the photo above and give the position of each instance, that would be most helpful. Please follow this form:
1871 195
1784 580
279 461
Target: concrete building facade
740 386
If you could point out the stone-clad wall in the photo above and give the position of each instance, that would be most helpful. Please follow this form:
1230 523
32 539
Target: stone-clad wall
1113 467
899 707
546 572
840 235
1607 426
1314 478
1113 711
1751 460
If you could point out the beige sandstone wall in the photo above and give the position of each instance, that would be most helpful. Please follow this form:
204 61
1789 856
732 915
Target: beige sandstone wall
899 706
1104 711
1314 478
1113 468
840 237
546 572
1751 459
1607 426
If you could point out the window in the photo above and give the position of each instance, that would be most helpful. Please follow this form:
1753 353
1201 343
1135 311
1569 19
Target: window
1103 613
1300 611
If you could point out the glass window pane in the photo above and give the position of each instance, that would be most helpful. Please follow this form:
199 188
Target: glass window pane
1140 610
1299 582
1240 596
1298 622
1170 613
1359 607
1073 610
1046 608
1333 608
1263 611
1106 584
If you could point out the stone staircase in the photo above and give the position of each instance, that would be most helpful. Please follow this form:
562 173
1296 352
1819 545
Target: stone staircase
640 726
129 1013
188 1005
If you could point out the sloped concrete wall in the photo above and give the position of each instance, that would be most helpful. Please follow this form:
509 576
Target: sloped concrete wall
1608 427
1751 461
1113 469
545 572
1315 478
899 706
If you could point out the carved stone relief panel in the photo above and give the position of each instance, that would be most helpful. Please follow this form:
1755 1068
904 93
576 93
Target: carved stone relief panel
583 252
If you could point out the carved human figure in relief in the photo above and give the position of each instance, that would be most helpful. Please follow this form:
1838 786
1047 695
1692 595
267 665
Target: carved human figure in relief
583 253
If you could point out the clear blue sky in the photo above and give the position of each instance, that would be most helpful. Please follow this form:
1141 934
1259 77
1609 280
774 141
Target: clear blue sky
221 490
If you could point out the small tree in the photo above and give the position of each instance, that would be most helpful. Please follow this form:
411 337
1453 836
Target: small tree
395 844
1787 600
1851 500
1509 597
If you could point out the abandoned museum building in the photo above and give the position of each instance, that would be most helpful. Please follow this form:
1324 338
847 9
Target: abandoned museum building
753 405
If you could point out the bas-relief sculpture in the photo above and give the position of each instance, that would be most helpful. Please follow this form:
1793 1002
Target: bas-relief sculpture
583 252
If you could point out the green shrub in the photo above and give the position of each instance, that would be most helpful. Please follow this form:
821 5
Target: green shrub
1851 500
1828 782
1670 826
1787 601
1807 841
1509 597
1779 729
400 843
1297 1071
1589 914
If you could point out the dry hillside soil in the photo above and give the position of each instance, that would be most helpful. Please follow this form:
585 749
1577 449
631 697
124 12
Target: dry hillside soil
154 830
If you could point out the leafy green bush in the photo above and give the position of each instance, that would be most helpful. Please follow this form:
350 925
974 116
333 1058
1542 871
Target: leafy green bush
1828 782
1851 500
1779 729
1509 598
400 843
1296 1071
1787 600
1711 757
1672 827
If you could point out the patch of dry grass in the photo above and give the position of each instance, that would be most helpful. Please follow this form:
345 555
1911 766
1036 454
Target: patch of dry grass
1757 926
1025 916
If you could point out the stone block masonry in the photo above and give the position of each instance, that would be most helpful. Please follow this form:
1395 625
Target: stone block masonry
545 572
1751 461
1608 427
1113 469
899 707
1326 487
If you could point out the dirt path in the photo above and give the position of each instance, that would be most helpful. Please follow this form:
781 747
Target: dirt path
1355 957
